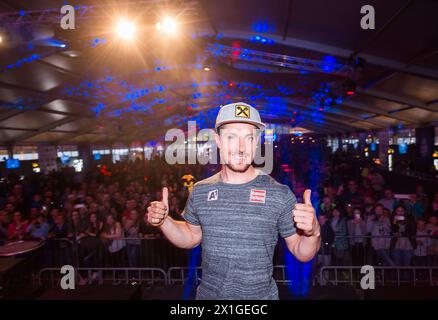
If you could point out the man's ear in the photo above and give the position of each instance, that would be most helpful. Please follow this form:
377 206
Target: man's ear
258 136
218 140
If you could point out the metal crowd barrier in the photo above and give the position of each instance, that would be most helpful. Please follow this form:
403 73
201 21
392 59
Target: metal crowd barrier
151 252
66 252
365 253
384 276
180 275
148 276
281 277
160 253
334 275
280 274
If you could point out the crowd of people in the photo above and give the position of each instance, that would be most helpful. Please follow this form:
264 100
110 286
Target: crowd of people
386 231
365 221
102 210
93 218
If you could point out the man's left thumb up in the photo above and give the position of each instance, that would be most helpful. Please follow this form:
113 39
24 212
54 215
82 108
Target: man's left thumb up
306 196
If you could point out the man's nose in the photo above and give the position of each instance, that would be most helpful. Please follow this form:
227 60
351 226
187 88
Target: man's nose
241 145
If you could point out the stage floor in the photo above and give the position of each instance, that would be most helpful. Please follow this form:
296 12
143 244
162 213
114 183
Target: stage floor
136 292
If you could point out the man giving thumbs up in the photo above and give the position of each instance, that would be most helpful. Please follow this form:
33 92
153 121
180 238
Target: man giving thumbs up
237 216
304 216
158 210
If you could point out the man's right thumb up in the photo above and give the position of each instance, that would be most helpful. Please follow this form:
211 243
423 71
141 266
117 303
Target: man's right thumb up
165 200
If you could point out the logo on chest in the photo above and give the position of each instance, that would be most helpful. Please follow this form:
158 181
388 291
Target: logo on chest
213 195
257 196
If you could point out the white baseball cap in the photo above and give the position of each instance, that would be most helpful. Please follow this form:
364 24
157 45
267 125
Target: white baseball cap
239 112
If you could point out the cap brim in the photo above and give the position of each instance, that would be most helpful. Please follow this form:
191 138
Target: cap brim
259 125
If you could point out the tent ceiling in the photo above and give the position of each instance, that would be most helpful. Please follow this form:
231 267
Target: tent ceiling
93 91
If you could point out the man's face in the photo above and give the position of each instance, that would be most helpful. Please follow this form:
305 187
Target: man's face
388 194
421 225
54 212
237 143
368 200
379 210
3 217
17 216
134 215
93 207
33 212
59 219
413 197
322 219
75 215
400 211
9 207
133 204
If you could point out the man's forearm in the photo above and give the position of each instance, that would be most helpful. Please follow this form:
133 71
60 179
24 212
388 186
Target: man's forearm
306 247
178 233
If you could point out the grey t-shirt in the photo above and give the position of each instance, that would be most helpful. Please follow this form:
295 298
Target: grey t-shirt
240 225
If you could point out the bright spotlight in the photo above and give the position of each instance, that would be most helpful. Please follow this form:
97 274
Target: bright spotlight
167 25
1 39
125 29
